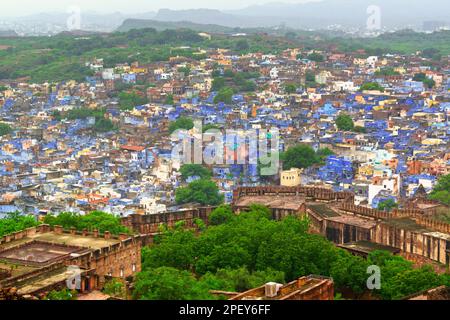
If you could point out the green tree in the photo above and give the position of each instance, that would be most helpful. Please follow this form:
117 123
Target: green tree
115 288
300 156
371 86
182 123
422 77
350 272
5 129
324 153
410 282
345 123
441 191
96 220
290 88
191 170
203 191
315 56
129 100
222 214
359 129
242 45
104 125
168 284
62 295
218 83
387 205
225 95
14 222
169 99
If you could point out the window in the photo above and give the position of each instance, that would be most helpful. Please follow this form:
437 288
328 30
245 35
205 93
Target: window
134 267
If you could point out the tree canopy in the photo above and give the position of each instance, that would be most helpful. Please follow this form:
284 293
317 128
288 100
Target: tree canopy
5 129
345 123
14 222
203 191
441 191
194 170
240 252
303 156
225 95
96 220
183 123
371 86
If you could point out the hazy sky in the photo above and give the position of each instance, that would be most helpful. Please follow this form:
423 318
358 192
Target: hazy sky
10 8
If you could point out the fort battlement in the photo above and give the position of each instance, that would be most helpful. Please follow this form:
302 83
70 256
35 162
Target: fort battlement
149 224
59 230
310 193
433 224
378 214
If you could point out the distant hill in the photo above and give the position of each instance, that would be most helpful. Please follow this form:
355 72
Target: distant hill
130 24
8 33
318 14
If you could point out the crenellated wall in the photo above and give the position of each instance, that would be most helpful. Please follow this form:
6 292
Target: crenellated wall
149 224
311 193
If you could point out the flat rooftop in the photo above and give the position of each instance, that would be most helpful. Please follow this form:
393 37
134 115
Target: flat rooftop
37 252
322 209
407 224
368 247
274 202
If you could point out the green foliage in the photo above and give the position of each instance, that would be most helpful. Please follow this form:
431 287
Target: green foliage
324 153
350 272
224 95
167 283
15 222
84 113
315 56
115 288
345 123
96 220
62 295
5 129
182 123
185 70
371 86
209 126
242 45
359 129
290 88
203 191
441 191
399 279
129 100
191 170
244 251
104 125
387 205
240 279
57 115
218 84
300 156
428 82
169 99
387 71
221 215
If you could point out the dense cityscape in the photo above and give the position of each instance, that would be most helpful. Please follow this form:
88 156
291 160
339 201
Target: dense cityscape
97 202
